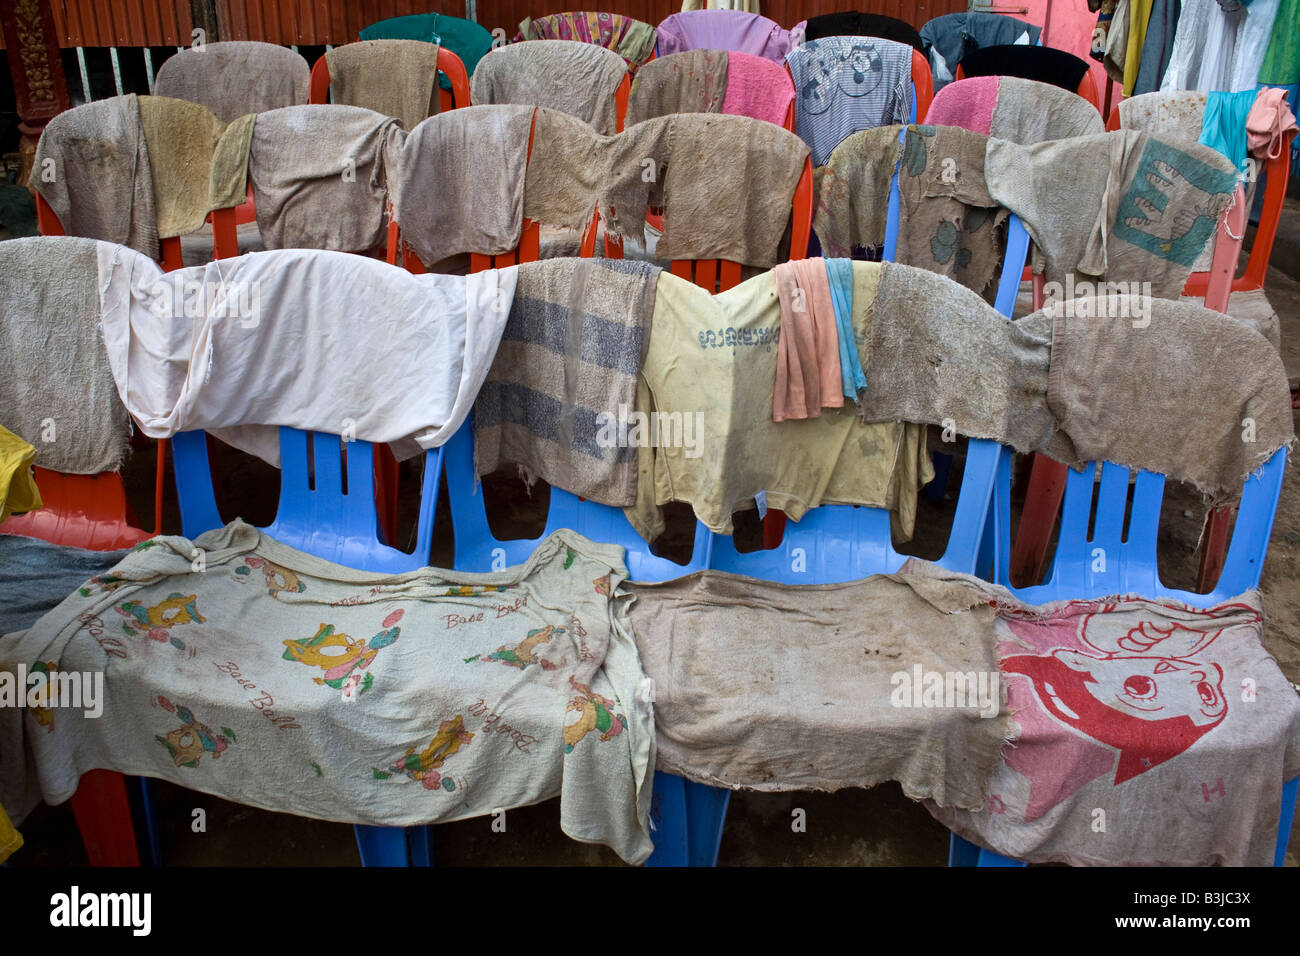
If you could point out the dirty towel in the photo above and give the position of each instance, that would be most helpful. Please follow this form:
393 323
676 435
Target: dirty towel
394 77
235 78
808 376
691 82
575 78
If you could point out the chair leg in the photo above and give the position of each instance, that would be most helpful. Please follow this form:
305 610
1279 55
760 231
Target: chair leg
706 810
1285 818
104 818
962 852
938 486
146 819
386 846
668 820
1214 549
419 844
1042 504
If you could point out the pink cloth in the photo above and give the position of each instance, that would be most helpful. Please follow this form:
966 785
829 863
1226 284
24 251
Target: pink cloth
757 88
966 103
735 31
1266 125
808 351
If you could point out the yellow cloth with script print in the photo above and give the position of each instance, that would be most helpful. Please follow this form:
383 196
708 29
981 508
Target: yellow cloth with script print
18 491
712 358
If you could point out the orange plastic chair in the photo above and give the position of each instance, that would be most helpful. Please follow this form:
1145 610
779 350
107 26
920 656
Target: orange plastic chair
448 63
1278 173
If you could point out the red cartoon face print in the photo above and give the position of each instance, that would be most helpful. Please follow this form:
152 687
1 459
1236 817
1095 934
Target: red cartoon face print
1148 691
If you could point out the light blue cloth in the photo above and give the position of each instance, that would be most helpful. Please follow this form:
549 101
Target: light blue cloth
839 273
1224 126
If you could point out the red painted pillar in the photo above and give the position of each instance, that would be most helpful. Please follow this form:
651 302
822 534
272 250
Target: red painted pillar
33 47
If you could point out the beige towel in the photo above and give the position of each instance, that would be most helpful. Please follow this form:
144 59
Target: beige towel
853 189
92 167
395 77
236 77
319 178
575 78
691 82
181 137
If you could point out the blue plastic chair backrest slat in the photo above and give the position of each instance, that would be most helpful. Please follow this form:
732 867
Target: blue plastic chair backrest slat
477 549
316 512
1113 559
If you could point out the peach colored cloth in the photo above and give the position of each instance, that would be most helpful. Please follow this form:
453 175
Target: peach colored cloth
1267 123
808 351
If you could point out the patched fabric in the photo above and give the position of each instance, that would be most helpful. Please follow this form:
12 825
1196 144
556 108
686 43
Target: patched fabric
356 697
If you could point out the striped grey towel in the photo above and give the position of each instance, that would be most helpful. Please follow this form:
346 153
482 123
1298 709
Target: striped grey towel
847 84
565 371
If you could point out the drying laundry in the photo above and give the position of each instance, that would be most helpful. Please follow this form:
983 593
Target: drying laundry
181 138
1223 126
275 339
318 176
447 206
1176 115
235 78
339 705
36 577
56 385
734 30
574 78
846 84
691 82
465 38
569 359
1267 124
1030 112
849 216
394 77
18 491
1043 64
778 687
631 39
1189 358
99 182
715 356
808 375
1158 203
853 23
951 37
1157 45
839 274
1134 713
758 88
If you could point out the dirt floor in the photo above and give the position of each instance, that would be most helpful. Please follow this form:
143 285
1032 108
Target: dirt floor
874 827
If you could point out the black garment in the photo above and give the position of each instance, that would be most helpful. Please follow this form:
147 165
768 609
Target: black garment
853 24
1041 63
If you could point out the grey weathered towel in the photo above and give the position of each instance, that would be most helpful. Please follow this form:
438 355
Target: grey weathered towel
938 354
690 82
852 192
228 185
181 138
1176 114
35 577
92 167
575 78
571 353
949 222
395 77
1168 386
56 389
778 687
1031 112
235 78
458 184
319 176
1157 203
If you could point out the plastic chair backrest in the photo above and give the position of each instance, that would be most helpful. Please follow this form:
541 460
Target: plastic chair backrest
477 549
327 499
449 65
1277 173
1130 552
79 511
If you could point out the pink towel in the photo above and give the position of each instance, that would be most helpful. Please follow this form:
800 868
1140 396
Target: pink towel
967 103
808 351
757 88
1267 124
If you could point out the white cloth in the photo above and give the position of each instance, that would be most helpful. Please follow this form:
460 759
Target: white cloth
1219 50
316 340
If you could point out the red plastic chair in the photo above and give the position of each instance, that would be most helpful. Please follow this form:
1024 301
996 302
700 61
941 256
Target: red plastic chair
1278 173
448 63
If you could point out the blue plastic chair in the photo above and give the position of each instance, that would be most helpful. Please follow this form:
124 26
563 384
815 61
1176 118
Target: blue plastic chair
832 544
1130 567
317 515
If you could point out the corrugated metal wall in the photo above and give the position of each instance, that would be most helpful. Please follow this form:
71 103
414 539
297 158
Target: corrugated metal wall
126 23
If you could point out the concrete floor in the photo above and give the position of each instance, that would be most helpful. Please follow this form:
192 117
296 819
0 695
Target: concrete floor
877 827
